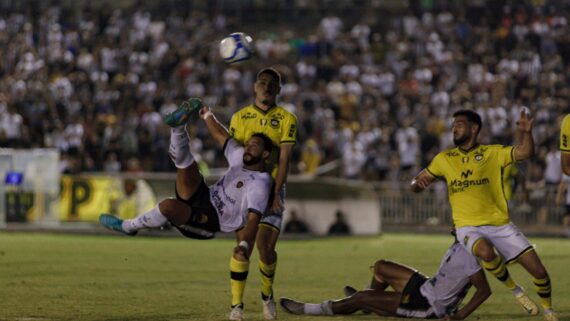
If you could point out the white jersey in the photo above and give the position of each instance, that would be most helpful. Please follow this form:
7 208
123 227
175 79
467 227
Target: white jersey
239 191
445 290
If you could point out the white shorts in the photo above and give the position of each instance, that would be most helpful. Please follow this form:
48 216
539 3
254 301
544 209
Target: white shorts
274 219
507 239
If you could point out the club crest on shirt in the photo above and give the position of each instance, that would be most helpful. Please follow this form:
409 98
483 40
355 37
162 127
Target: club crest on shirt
239 184
274 123
478 157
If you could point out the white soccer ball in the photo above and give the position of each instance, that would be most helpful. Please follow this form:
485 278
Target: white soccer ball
236 47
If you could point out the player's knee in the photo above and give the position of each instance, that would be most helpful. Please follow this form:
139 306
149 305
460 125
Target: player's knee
380 267
175 211
485 251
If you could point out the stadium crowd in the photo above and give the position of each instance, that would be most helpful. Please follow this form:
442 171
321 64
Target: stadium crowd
373 94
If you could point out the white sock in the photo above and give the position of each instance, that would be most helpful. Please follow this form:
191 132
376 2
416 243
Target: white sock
518 291
150 219
324 308
548 311
179 149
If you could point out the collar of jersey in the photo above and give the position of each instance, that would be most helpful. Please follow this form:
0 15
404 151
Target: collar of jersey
474 147
263 111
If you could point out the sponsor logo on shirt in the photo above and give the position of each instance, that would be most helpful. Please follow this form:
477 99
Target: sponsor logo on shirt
460 185
249 115
291 131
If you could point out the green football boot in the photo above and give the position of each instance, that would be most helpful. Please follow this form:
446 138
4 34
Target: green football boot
188 111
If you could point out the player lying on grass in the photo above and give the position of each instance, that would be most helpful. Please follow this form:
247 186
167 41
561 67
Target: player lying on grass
414 295
235 203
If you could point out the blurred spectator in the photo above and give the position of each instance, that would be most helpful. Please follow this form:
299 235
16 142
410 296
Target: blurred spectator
295 224
98 83
339 226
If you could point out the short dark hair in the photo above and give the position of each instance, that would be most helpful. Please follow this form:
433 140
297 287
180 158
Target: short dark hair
267 143
471 116
272 72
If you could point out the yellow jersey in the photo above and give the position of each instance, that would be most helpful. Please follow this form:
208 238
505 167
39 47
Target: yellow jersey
277 123
475 183
565 135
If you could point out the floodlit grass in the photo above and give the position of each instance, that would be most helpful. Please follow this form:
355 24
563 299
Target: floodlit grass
69 277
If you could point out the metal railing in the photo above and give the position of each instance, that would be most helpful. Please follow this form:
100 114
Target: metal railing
534 211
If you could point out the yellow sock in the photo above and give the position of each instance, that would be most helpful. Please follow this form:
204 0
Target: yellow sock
238 276
267 275
499 270
544 290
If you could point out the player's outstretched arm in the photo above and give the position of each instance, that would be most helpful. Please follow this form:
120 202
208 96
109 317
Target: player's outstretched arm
215 128
483 292
421 181
525 148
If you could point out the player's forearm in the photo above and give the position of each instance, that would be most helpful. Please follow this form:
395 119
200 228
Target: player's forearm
283 166
216 129
525 149
281 177
420 182
478 298
565 163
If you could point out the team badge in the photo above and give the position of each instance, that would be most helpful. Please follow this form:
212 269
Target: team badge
478 157
274 123
239 184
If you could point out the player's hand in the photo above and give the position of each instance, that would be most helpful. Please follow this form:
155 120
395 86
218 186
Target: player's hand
204 112
420 182
277 204
524 123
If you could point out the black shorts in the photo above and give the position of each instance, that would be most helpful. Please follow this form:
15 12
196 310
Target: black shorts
204 222
413 303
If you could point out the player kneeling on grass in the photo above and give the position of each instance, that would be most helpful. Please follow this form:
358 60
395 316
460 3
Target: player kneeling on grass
414 295
235 203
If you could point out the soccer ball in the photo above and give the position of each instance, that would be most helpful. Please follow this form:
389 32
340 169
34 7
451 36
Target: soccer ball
236 47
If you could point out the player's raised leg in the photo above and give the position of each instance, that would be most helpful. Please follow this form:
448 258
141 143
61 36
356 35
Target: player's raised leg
188 179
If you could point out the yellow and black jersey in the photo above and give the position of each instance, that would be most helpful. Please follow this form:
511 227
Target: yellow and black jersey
565 135
475 183
277 123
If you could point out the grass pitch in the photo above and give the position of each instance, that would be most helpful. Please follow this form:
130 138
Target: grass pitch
70 277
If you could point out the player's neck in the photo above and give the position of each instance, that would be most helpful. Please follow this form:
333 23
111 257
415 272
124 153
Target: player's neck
254 167
468 146
264 107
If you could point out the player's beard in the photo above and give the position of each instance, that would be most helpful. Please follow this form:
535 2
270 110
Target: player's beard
249 159
458 141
